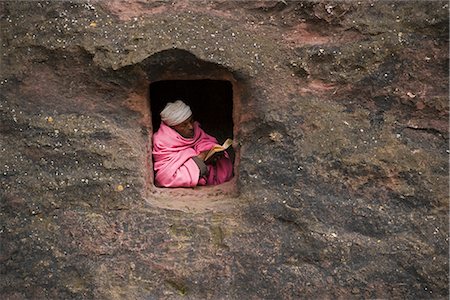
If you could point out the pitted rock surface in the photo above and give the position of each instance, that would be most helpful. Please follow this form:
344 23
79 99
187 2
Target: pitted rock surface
342 135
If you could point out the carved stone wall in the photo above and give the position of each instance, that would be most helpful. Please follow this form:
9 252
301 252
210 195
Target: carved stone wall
341 130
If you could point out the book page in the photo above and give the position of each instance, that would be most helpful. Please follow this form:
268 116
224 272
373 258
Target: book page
219 148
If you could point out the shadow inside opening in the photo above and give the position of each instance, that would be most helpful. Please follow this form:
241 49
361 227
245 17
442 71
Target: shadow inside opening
211 102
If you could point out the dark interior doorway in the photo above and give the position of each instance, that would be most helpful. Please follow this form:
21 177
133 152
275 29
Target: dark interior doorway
211 102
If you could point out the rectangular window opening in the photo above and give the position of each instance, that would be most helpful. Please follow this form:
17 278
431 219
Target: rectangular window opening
211 102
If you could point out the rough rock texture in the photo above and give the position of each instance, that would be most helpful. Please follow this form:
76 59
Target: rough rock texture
341 128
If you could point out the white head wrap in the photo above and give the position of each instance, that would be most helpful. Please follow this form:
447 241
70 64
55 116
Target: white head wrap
175 113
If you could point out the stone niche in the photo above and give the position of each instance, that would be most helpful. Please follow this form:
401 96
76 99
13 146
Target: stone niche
214 95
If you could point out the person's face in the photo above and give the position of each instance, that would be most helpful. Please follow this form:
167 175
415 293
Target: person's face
186 128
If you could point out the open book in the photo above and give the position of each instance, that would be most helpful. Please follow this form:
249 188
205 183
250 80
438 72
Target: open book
219 148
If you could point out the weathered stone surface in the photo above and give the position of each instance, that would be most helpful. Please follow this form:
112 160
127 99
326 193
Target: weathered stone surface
342 135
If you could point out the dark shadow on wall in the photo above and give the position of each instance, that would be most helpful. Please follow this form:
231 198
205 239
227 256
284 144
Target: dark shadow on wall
211 102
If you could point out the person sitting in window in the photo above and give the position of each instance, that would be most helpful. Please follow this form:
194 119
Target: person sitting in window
179 150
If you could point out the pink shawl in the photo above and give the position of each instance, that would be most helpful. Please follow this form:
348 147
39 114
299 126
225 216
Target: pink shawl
172 155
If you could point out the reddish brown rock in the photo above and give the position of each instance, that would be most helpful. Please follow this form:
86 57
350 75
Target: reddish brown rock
340 115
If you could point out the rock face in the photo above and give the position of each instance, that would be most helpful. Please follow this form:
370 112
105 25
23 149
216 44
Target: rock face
341 134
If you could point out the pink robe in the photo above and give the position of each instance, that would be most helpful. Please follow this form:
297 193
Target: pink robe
173 163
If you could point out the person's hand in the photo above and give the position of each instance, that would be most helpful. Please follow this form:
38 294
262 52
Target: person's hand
203 154
213 159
